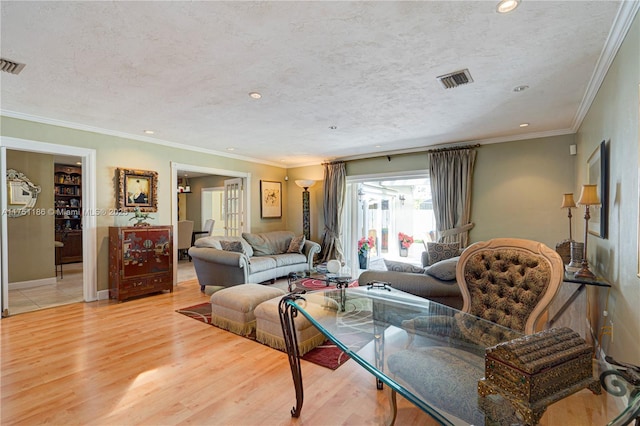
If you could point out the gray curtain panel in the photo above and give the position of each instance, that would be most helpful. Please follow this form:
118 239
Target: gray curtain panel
451 178
335 177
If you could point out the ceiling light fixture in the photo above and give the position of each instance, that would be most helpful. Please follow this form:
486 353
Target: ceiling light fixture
333 127
524 125
231 149
520 88
506 6
255 95
149 132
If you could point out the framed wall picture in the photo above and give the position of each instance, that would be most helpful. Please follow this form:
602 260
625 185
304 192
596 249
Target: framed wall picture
598 174
270 199
137 189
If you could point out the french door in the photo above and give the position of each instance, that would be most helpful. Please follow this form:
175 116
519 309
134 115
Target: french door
233 207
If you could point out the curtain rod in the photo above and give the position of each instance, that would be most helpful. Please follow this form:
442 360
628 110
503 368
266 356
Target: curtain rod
455 148
331 162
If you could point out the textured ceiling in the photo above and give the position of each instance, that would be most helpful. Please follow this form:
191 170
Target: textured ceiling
184 70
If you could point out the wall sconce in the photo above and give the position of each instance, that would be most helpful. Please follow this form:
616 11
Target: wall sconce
588 197
306 219
402 199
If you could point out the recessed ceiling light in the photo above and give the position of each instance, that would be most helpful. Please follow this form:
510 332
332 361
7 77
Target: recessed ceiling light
524 125
506 6
255 95
231 149
520 88
149 132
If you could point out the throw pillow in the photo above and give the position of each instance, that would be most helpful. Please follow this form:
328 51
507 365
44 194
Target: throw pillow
444 270
442 251
235 246
296 245
402 267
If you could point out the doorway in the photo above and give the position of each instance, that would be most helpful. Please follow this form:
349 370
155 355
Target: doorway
87 158
178 169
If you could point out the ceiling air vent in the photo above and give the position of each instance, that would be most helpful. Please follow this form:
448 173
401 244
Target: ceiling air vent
11 67
455 79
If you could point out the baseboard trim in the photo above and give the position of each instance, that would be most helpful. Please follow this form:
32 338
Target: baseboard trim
32 283
103 294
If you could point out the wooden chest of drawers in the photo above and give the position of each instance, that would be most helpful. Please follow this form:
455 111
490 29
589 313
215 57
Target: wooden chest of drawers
140 261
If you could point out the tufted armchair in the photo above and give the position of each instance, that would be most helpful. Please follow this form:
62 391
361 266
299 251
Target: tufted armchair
508 282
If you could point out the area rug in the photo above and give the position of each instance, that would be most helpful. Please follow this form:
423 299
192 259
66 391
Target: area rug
326 355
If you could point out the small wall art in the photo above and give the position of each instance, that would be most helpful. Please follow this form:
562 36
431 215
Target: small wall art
598 174
137 189
270 199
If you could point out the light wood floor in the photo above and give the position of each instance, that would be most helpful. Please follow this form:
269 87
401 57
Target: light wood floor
140 362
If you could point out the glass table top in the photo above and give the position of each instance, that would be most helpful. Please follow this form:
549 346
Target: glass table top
429 353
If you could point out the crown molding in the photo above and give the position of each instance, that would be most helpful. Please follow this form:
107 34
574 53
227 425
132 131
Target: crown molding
488 141
86 128
617 33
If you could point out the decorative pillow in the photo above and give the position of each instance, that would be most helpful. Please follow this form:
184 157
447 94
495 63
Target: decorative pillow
296 245
444 270
442 251
235 246
402 267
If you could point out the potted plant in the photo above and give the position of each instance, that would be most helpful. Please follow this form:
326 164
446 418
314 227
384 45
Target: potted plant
364 246
405 242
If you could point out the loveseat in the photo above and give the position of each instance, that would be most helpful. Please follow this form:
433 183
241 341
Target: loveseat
435 280
252 258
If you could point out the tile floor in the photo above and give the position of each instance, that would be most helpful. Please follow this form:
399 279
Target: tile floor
68 289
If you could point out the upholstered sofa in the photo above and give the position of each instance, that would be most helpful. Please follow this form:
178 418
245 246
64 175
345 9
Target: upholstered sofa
435 280
252 258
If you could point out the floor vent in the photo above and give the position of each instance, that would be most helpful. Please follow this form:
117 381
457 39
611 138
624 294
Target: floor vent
11 67
455 79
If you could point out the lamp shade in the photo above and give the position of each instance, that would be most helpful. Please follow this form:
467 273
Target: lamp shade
305 183
567 201
589 196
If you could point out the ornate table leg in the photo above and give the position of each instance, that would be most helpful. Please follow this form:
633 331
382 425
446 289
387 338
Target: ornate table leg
288 312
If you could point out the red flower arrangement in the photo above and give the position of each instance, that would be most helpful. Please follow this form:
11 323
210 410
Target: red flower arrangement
365 244
405 240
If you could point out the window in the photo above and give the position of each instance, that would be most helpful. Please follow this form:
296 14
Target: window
383 207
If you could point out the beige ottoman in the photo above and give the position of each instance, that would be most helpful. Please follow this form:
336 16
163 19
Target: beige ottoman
232 308
269 330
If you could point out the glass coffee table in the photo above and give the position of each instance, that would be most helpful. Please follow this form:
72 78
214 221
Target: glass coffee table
377 314
320 280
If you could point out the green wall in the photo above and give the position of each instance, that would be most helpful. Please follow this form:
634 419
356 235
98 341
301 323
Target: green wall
30 237
613 117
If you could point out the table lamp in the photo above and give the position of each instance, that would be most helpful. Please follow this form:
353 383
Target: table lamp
588 197
568 203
